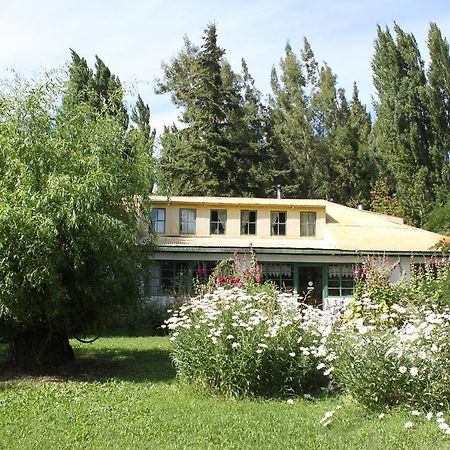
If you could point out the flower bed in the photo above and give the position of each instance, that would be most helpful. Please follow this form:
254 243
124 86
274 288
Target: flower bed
239 343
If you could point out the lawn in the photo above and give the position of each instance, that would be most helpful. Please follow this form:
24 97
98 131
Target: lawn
123 393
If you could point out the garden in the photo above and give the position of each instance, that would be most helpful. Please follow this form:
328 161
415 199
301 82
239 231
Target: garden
246 367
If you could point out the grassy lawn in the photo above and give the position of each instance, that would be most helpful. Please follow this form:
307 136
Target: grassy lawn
122 393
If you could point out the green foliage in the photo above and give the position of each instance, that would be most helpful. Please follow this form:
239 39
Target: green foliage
69 200
411 132
223 147
438 220
240 344
323 139
382 200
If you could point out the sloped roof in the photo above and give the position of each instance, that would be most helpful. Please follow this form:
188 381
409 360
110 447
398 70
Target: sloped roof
352 229
347 230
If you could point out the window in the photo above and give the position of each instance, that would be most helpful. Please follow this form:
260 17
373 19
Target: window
280 274
158 220
307 224
248 222
218 220
340 280
168 278
187 221
278 221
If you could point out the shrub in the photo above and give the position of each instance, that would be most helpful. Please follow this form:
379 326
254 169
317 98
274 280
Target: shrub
409 364
235 342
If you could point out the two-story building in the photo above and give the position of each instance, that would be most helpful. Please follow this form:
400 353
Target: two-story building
303 245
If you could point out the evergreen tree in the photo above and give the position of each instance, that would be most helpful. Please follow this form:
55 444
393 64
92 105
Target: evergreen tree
100 89
80 85
221 145
323 137
439 112
292 134
402 128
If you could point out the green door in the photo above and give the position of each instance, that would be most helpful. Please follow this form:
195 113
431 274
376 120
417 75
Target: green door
310 284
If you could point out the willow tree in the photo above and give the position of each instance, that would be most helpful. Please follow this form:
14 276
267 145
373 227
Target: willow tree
69 201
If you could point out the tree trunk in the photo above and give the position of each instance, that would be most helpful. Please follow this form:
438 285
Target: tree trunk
40 347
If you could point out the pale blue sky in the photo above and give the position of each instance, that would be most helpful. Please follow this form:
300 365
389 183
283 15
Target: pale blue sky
134 36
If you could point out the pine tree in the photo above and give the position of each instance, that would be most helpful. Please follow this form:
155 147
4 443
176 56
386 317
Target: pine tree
220 148
292 134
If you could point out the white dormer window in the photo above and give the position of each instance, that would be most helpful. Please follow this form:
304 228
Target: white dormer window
158 220
218 221
308 224
248 222
187 221
278 223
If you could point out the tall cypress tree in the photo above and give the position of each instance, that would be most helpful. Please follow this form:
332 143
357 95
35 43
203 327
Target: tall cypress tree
323 137
99 88
439 112
402 128
292 134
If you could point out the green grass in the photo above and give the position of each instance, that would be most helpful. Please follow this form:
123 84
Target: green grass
122 393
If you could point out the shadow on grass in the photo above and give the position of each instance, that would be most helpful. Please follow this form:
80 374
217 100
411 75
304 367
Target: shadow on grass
105 364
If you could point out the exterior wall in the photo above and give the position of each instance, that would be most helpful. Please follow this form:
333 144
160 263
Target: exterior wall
233 224
343 236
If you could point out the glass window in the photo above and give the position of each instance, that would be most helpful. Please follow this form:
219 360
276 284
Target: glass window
278 221
187 221
158 220
248 222
308 223
341 280
280 274
218 221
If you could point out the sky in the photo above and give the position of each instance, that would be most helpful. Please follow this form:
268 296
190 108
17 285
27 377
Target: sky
133 37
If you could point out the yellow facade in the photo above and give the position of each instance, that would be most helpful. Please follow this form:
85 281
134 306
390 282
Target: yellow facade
343 237
337 227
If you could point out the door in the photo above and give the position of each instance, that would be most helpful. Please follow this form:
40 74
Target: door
310 284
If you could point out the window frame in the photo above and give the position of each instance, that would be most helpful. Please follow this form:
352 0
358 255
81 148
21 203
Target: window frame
245 228
182 222
280 279
214 225
277 225
341 287
154 222
308 224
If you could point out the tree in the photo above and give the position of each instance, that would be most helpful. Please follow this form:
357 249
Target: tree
292 132
402 134
324 138
438 220
222 145
70 198
100 88
439 111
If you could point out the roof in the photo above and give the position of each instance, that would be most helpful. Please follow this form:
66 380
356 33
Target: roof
347 230
239 201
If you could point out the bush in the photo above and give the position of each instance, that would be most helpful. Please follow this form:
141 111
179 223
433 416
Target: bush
238 343
376 300
409 364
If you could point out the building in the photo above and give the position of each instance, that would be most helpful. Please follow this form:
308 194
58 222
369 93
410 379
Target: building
303 245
